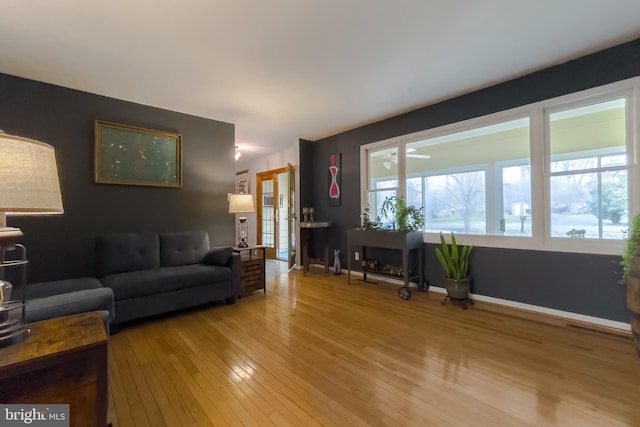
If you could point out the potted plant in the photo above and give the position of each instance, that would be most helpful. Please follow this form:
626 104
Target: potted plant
454 260
407 218
631 277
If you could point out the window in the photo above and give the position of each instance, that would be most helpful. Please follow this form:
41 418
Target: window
475 182
588 171
555 175
383 179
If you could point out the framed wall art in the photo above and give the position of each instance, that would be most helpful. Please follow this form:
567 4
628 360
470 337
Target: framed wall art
335 178
243 182
130 155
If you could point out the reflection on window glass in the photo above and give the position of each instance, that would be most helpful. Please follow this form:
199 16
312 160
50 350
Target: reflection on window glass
588 183
456 202
516 199
383 165
449 176
376 199
591 205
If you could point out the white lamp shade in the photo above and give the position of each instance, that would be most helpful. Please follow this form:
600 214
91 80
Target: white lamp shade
29 181
241 203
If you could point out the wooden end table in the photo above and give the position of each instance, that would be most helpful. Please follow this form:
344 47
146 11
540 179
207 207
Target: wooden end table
63 361
252 260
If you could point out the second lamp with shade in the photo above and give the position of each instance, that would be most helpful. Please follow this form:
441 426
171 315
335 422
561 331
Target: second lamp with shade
241 204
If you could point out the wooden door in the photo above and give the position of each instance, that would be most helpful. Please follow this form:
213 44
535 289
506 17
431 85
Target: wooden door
274 213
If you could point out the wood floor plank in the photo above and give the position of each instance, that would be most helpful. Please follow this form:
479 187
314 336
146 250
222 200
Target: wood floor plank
130 388
212 397
118 400
316 351
155 382
147 399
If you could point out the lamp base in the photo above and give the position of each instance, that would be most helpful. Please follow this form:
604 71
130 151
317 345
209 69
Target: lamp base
243 244
8 237
15 337
12 330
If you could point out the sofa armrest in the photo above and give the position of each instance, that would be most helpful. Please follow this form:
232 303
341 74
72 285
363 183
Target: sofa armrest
219 255
236 273
70 303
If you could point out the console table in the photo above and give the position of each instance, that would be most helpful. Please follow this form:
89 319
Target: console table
62 361
306 228
408 243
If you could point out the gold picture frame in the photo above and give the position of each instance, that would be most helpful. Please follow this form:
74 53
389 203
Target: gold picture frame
243 182
130 155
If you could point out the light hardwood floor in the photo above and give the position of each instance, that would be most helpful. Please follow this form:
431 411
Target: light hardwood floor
315 351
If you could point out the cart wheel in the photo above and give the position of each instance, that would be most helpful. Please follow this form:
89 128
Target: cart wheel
423 287
404 293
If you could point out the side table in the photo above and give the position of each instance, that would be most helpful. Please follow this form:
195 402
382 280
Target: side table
252 260
62 361
306 229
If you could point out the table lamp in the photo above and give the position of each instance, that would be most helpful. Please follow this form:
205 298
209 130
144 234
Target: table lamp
29 185
240 204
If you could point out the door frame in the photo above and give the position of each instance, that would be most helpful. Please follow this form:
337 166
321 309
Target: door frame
270 252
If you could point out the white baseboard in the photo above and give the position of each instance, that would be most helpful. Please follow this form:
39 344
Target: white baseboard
596 321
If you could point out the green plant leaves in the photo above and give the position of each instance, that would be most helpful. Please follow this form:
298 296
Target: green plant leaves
633 248
453 259
407 218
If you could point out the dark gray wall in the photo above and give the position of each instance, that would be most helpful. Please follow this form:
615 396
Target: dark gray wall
62 246
584 284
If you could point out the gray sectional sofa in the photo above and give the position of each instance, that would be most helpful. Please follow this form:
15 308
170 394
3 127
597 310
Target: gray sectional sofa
140 275
152 273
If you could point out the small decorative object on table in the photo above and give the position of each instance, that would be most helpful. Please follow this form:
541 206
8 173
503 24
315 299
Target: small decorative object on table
370 264
394 270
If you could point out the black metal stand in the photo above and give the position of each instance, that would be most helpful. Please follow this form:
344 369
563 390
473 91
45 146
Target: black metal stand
408 243
459 301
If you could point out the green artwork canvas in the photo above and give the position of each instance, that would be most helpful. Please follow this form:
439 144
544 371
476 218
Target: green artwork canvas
137 156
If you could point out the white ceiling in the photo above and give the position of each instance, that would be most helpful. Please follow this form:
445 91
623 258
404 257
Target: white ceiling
288 69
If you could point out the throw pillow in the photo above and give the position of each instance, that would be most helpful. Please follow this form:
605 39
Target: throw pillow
218 256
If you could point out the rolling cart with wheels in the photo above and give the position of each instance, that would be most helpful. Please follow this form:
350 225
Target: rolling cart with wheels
410 244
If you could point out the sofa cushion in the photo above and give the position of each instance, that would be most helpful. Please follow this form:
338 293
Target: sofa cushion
57 287
125 252
218 256
163 279
183 248
69 303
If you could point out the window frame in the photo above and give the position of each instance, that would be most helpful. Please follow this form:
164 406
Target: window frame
540 154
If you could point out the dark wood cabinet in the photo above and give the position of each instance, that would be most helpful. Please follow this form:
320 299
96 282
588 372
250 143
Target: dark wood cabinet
252 261
62 361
